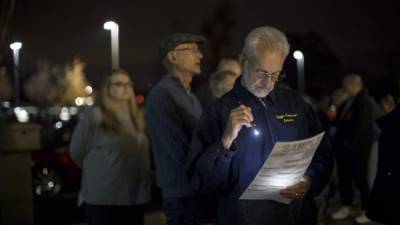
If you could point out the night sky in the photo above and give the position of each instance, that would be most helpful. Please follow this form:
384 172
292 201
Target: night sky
359 35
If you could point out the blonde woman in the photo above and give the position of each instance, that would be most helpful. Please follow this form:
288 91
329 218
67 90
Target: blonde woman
111 148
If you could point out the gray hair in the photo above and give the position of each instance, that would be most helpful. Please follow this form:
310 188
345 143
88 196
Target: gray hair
265 39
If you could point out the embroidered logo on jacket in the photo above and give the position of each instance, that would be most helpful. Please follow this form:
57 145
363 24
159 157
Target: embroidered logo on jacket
287 117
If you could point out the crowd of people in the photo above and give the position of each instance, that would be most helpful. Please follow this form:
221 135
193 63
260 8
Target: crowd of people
204 149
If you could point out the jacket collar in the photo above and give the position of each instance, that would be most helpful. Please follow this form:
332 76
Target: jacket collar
178 83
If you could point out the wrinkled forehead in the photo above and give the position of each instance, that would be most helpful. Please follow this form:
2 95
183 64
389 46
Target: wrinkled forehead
264 58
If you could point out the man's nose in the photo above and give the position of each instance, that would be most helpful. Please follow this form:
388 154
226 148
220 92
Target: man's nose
268 80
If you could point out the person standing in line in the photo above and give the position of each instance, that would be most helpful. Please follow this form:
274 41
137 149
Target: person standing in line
220 81
229 64
172 112
352 143
384 198
110 146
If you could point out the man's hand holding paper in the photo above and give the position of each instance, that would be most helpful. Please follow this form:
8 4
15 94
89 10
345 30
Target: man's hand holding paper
298 190
282 178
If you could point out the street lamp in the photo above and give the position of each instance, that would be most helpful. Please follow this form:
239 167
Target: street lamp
113 27
298 55
15 47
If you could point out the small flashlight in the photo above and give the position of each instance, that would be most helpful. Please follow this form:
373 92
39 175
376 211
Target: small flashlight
256 132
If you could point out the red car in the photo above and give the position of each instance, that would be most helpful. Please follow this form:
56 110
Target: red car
53 171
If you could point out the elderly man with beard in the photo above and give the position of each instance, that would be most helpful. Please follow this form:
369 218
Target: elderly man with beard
225 155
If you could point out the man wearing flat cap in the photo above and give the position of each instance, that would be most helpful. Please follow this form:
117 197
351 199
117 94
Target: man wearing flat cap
172 112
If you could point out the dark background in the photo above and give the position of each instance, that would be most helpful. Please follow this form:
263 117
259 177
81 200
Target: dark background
336 36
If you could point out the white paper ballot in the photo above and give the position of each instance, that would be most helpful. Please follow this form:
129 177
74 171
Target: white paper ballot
285 166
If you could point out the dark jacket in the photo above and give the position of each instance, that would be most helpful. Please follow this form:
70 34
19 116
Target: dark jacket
384 199
229 172
171 116
355 130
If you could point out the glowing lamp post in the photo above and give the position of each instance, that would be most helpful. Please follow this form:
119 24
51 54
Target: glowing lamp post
113 27
15 47
298 55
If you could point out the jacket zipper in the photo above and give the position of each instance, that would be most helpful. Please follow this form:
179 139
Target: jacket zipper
268 120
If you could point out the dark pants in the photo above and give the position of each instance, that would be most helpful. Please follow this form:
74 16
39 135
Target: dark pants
267 212
352 168
206 208
114 215
179 211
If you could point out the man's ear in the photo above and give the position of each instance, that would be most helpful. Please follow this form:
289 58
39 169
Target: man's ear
171 57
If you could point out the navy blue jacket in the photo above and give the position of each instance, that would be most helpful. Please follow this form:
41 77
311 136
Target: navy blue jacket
281 116
171 116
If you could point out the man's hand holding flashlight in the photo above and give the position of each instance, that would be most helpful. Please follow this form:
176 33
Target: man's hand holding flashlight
238 117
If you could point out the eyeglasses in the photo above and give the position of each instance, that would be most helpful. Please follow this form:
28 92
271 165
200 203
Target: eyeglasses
277 76
263 74
194 50
122 84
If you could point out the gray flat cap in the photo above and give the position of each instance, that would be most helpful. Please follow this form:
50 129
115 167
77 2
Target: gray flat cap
170 42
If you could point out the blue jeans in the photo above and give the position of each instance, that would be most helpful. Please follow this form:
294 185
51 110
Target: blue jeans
179 211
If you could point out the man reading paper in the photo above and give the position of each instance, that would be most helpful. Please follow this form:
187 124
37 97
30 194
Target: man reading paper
226 154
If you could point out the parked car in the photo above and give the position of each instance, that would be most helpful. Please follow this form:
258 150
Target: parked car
53 171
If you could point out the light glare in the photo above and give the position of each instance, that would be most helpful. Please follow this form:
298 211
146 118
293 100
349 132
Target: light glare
298 54
64 115
58 125
256 132
16 45
110 25
89 101
21 114
79 101
88 90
